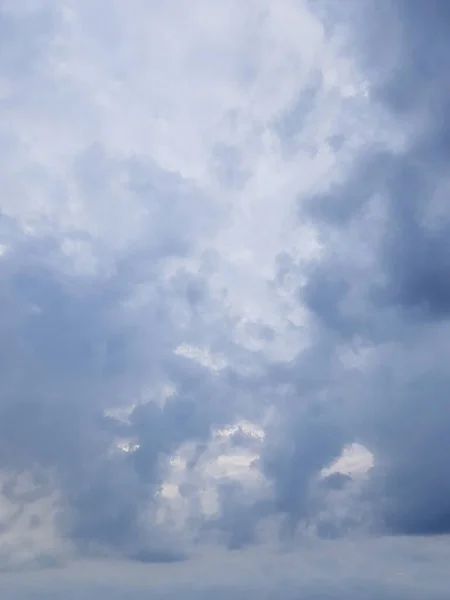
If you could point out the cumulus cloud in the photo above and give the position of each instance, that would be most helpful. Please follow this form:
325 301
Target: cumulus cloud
223 273
389 295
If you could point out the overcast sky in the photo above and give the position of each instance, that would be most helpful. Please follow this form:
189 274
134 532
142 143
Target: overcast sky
225 299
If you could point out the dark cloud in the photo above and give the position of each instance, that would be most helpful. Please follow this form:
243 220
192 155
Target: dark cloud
72 349
391 293
306 444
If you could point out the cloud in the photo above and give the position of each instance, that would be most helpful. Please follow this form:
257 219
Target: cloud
381 288
134 158
217 216
390 569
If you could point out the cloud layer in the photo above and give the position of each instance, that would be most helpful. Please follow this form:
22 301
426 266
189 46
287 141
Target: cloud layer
387 569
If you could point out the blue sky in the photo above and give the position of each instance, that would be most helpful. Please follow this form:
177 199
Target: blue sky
225 302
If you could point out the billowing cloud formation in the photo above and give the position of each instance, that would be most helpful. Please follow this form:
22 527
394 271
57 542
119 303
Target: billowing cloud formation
387 298
223 267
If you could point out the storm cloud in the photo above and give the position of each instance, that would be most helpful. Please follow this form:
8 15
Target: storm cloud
224 267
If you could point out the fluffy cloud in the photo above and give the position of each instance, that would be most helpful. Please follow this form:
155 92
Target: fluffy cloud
387 297
223 265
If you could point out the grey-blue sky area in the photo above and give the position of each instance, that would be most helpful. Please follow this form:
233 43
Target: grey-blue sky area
224 266
388 569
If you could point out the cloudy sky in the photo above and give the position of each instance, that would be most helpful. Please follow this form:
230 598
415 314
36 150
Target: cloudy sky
225 294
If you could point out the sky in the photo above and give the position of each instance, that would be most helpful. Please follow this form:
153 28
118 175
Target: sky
225 301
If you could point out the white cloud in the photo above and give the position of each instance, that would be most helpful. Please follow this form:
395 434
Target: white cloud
355 460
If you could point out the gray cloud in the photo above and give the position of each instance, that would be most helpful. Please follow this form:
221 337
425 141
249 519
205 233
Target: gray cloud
389 293
191 239
386 569
72 349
